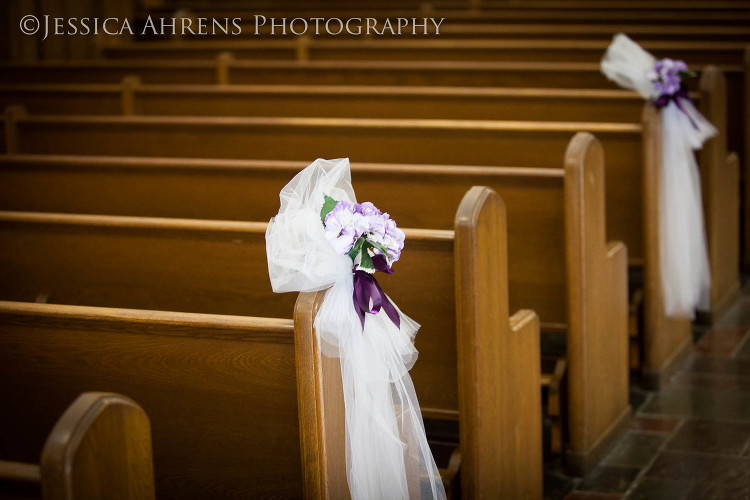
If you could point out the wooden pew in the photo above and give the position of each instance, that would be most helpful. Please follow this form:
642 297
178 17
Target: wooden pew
417 141
133 97
720 182
83 456
539 277
486 469
697 54
220 391
90 71
350 101
226 70
478 143
214 266
565 31
543 16
304 48
484 6
746 171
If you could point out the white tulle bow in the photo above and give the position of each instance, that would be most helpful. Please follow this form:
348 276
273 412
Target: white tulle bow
683 256
387 454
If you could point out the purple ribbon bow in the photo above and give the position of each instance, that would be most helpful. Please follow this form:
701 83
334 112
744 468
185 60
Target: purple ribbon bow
367 289
677 97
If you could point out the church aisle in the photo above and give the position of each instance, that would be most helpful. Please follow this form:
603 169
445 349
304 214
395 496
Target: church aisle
691 441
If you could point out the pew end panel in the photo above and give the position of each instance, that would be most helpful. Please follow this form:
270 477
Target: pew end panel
100 448
597 347
499 363
721 198
746 167
321 407
666 340
730 231
500 421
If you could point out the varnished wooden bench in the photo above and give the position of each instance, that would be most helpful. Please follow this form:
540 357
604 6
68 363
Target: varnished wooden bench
220 391
131 96
537 144
510 14
203 6
508 30
479 143
359 101
417 196
226 70
521 52
476 7
99 448
219 267
559 29
696 53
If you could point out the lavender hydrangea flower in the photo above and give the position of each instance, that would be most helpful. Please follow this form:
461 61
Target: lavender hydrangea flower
666 76
392 238
361 230
368 209
343 226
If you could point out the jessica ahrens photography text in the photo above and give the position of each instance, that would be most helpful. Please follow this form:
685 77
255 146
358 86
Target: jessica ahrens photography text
47 26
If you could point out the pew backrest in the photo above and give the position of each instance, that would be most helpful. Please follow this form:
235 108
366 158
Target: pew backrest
220 391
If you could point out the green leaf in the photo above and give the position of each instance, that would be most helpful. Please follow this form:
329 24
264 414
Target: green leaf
356 248
379 246
328 205
365 263
687 74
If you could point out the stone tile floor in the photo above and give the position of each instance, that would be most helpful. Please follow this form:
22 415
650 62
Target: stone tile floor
689 441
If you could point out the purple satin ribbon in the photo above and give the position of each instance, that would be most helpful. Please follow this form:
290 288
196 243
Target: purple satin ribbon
367 290
677 97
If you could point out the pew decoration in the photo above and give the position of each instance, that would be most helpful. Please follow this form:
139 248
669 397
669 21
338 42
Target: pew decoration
683 255
387 455
666 76
373 241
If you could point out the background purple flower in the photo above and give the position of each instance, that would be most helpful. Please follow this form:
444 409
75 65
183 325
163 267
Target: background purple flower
666 76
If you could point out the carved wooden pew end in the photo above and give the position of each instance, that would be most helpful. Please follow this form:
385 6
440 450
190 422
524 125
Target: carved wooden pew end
73 464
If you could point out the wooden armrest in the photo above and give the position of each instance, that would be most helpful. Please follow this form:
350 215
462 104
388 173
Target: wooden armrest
454 464
17 471
553 379
450 473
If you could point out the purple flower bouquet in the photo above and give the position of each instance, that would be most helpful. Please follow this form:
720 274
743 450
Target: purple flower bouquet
373 242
